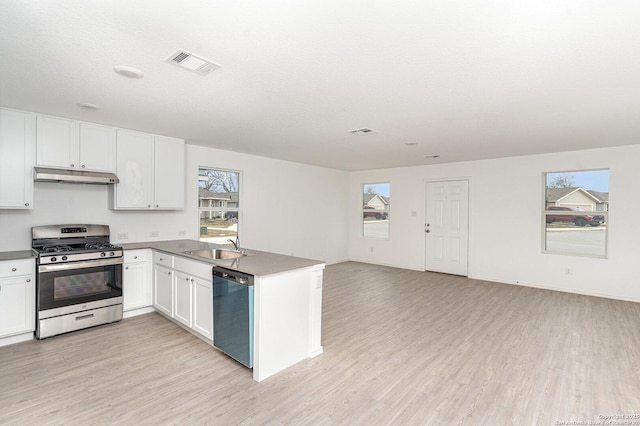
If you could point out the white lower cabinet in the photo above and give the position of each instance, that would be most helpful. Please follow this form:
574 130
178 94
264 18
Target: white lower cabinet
190 302
183 297
17 300
203 307
136 280
163 281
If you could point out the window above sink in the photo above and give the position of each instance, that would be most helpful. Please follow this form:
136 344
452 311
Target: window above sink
219 204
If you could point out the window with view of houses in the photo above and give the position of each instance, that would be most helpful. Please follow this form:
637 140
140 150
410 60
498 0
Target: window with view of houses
219 205
576 212
375 210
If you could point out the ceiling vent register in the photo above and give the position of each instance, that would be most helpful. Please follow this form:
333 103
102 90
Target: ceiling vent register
362 131
192 62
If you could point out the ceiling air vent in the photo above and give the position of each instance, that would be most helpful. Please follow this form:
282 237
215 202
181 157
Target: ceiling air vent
363 131
192 62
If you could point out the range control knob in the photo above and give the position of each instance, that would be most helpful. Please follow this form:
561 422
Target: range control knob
53 259
64 257
103 254
112 254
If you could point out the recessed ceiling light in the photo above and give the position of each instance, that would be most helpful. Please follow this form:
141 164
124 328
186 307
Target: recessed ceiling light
411 143
87 105
128 71
432 156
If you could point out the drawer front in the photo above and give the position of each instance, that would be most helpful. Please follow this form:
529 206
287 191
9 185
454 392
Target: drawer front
131 256
14 268
194 268
163 259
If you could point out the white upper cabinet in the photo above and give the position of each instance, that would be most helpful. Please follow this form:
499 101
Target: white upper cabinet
169 173
16 159
76 145
97 147
151 172
134 168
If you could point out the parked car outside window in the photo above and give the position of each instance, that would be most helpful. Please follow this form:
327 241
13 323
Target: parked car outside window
374 213
580 218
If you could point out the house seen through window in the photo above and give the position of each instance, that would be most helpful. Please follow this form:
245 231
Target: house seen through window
576 212
375 210
219 205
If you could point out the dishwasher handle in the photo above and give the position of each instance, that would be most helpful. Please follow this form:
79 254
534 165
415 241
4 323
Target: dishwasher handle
234 276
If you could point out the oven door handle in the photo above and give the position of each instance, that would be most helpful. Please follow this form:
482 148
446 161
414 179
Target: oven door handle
79 265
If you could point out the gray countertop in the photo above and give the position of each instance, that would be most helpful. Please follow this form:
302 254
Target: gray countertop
16 255
255 263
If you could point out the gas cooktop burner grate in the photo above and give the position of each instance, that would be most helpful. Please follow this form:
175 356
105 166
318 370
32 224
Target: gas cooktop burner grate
56 249
99 246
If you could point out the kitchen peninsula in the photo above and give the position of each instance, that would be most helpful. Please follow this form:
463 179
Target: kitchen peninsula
287 297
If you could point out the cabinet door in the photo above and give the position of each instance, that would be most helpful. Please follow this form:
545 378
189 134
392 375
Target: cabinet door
16 160
56 142
169 173
163 289
97 147
135 288
183 299
203 307
17 305
134 168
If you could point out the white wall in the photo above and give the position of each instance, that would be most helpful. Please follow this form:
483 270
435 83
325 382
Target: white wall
288 208
505 233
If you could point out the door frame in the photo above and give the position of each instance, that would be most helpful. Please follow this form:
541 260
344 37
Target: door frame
424 222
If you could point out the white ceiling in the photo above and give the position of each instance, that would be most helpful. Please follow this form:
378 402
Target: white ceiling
463 79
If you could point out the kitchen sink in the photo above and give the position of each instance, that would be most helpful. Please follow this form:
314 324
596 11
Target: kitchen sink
216 253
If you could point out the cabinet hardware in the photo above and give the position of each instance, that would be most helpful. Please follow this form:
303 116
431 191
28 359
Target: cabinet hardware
126 267
13 269
28 280
72 165
83 166
169 272
157 206
26 204
135 257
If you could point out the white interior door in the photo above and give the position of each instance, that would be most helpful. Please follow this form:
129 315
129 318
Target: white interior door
447 227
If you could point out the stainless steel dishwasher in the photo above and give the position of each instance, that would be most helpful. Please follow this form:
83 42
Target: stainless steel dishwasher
233 314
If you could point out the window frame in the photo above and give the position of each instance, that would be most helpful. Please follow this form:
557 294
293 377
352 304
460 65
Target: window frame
223 208
387 211
545 213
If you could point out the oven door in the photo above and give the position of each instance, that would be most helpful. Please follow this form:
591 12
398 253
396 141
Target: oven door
74 283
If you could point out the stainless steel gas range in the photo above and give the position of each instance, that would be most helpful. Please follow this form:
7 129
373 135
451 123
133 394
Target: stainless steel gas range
78 280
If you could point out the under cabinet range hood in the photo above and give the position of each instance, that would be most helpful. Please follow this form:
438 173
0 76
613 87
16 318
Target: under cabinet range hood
42 174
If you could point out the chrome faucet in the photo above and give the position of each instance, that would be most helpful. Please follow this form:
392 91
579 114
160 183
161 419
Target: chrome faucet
235 243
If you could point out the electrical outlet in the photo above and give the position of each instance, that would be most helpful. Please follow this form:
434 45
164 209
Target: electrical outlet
154 234
569 270
182 233
371 249
123 236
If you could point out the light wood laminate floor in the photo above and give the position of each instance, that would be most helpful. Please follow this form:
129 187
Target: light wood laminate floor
400 347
